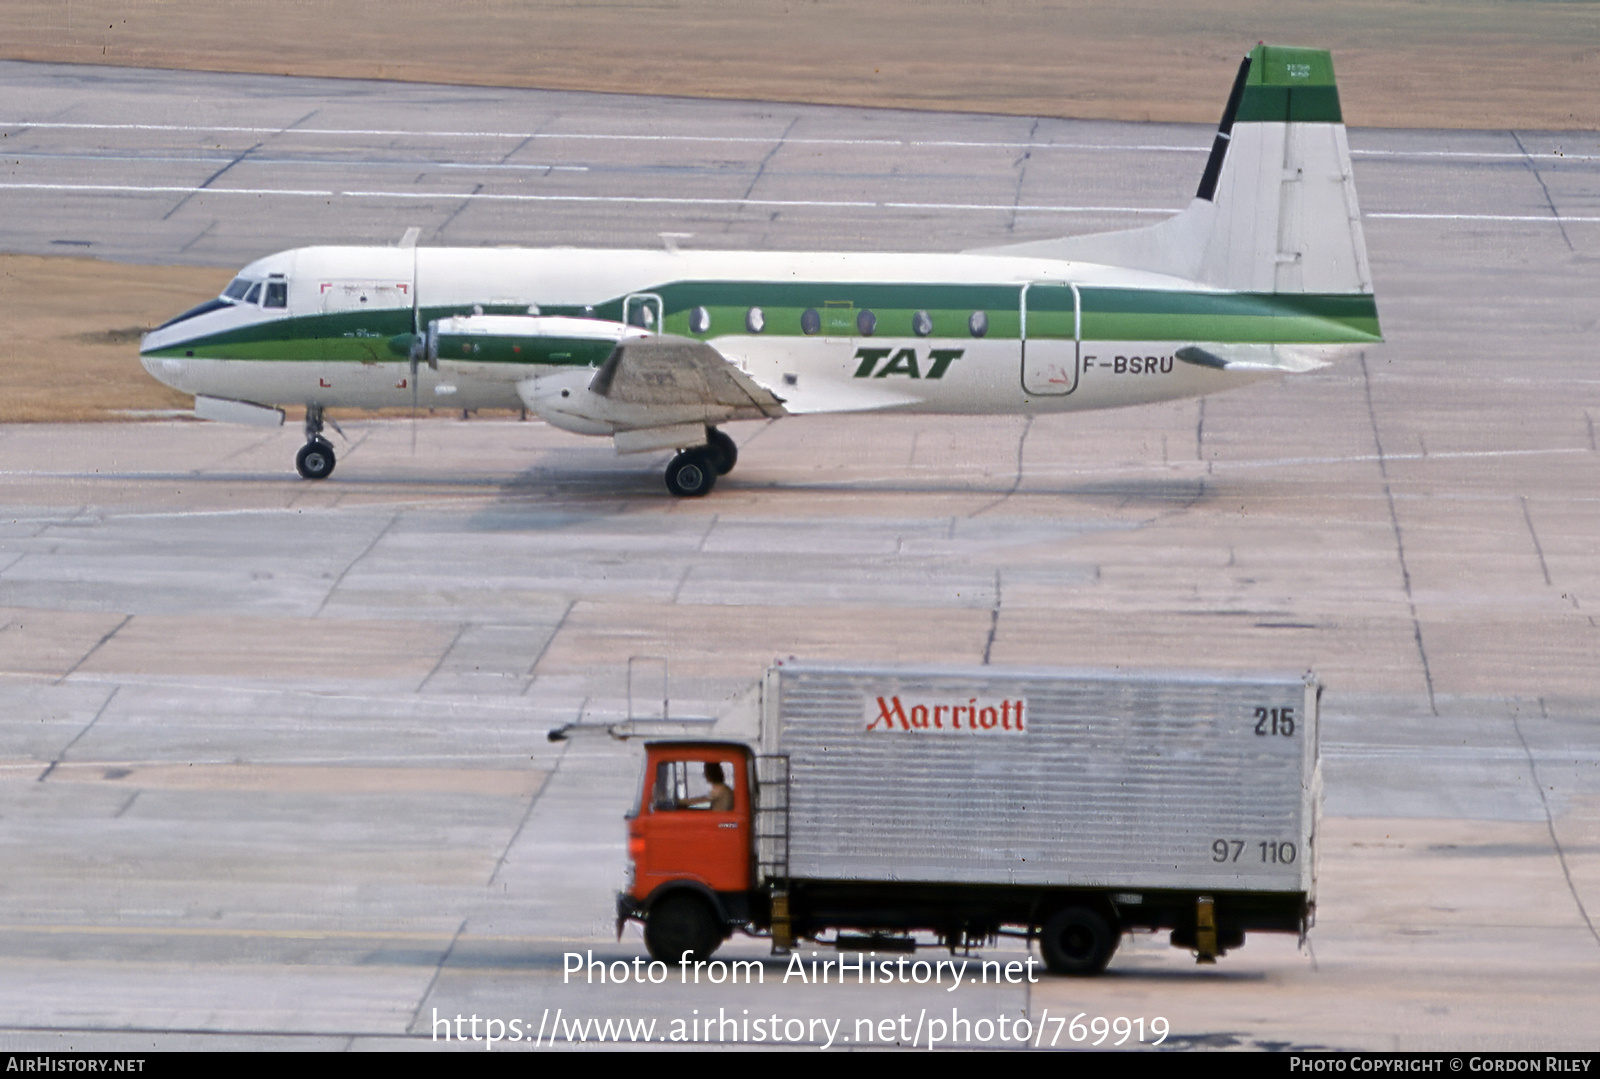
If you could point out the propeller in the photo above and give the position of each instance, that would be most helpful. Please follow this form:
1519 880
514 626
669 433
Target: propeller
417 342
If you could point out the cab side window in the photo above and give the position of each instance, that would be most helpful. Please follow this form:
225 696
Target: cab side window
277 294
694 785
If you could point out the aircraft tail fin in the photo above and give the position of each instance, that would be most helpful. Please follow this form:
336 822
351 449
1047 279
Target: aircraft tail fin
1276 209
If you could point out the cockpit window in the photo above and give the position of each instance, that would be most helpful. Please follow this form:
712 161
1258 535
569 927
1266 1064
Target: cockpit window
237 288
277 294
254 295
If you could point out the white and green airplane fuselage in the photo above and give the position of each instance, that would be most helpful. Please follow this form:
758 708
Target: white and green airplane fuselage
1265 273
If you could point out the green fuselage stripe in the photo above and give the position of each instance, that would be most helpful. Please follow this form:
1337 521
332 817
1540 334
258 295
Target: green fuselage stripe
1108 314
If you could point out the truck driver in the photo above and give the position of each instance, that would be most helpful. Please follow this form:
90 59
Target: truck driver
720 800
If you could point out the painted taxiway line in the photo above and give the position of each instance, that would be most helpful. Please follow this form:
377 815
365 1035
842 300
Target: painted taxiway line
766 140
443 936
637 200
664 200
1548 219
136 158
1156 466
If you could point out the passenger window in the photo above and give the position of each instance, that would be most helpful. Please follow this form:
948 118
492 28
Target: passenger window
978 323
277 294
699 320
810 321
754 320
694 785
254 295
866 323
922 324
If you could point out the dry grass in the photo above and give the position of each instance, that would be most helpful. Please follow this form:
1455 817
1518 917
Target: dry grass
1531 64
72 347
72 336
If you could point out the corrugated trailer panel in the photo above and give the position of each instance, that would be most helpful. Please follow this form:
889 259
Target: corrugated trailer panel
1078 779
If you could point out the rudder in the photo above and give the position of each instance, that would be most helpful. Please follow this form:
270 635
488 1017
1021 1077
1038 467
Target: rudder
1276 210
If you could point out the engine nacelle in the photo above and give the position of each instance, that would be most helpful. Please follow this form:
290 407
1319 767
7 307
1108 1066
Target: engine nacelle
562 399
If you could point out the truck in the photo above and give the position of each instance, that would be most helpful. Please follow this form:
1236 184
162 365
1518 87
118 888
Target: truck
964 804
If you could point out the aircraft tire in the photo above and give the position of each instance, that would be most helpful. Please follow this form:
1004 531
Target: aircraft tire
315 460
724 451
692 473
1077 940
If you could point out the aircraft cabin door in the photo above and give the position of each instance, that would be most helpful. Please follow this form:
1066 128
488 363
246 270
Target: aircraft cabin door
1052 331
643 309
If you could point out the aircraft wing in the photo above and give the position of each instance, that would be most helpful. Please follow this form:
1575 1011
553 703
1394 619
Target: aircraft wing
652 392
678 372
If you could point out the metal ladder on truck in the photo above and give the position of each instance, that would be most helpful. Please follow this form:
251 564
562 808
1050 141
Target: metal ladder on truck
772 843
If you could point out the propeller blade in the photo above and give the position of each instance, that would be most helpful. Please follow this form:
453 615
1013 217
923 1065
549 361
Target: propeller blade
416 340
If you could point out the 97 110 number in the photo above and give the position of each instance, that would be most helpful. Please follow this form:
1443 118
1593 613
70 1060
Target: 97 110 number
1273 852
1270 721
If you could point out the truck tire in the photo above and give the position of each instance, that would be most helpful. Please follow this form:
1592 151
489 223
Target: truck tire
1077 941
681 923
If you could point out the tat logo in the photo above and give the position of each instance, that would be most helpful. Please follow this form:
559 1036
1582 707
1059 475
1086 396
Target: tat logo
904 362
941 715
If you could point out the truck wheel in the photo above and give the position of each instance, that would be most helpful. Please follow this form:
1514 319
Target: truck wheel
681 923
1078 941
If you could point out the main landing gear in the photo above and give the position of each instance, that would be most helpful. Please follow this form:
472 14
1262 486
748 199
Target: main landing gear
693 472
315 460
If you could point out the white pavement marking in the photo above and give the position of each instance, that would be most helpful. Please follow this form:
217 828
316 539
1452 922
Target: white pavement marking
641 200
1492 155
1543 218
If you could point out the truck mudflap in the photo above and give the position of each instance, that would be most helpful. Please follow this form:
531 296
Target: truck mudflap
627 910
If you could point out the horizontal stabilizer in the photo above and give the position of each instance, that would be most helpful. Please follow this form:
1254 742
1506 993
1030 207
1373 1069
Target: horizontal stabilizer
1272 359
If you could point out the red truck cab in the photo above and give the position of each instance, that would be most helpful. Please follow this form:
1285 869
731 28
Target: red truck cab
691 865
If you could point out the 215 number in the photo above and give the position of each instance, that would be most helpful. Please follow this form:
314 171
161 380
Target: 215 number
1270 721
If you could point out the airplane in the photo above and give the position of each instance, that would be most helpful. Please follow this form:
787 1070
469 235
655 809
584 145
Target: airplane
1264 273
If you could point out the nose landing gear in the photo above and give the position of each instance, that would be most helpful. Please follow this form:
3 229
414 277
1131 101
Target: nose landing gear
315 460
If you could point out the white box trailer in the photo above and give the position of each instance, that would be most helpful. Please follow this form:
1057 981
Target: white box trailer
1066 806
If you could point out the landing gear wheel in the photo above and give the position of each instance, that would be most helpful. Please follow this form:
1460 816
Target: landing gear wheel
681 923
691 474
1077 940
724 451
315 460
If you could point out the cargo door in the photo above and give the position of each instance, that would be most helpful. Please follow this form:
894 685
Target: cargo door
1052 328
340 296
358 316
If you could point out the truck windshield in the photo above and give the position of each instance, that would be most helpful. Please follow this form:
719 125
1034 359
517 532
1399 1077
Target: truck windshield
705 784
